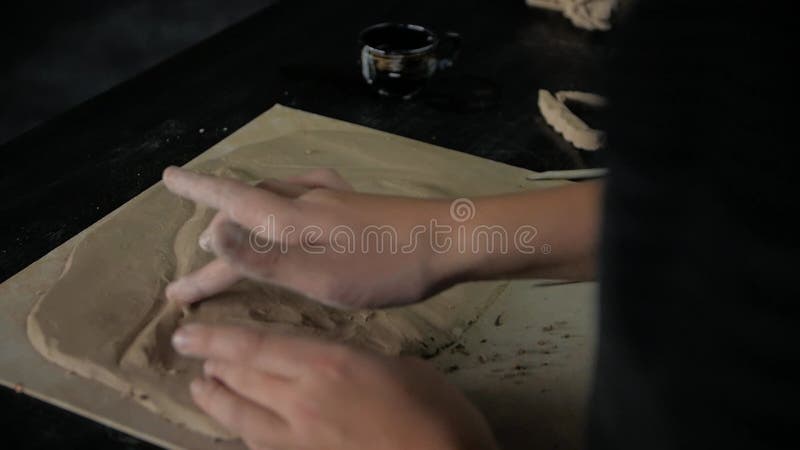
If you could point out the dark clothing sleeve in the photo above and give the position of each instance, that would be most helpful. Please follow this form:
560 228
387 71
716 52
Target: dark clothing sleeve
698 322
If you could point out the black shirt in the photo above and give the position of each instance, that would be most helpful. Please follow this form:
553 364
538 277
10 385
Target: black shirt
698 265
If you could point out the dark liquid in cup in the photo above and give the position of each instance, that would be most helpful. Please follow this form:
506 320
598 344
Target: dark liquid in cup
401 57
398 39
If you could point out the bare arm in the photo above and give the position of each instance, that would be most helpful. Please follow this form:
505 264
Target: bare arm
548 234
552 233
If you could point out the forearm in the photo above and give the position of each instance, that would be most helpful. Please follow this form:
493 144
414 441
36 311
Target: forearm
549 233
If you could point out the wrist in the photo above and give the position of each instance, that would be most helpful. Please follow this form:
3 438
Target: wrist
484 239
453 256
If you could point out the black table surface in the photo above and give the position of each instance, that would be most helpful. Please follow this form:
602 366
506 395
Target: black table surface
64 175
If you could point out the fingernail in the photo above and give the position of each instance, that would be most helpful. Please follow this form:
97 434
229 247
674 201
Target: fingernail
169 172
184 338
198 386
205 241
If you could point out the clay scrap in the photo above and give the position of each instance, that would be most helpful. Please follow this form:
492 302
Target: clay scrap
593 15
557 114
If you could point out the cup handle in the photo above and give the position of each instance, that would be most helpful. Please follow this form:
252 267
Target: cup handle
449 49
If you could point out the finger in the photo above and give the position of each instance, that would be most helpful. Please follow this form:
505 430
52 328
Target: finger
256 425
325 178
209 280
279 355
279 187
242 203
204 241
263 388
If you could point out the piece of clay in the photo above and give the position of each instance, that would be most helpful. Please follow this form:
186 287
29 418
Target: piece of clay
558 115
587 14
587 98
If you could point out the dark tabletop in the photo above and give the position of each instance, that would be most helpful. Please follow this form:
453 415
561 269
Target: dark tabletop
64 175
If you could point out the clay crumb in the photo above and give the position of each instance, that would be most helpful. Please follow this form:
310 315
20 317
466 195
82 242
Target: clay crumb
547 328
482 359
459 348
499 320
19 388
542 342
259 314
451 369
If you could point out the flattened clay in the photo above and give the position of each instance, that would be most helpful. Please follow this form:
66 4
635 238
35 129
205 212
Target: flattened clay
106 317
